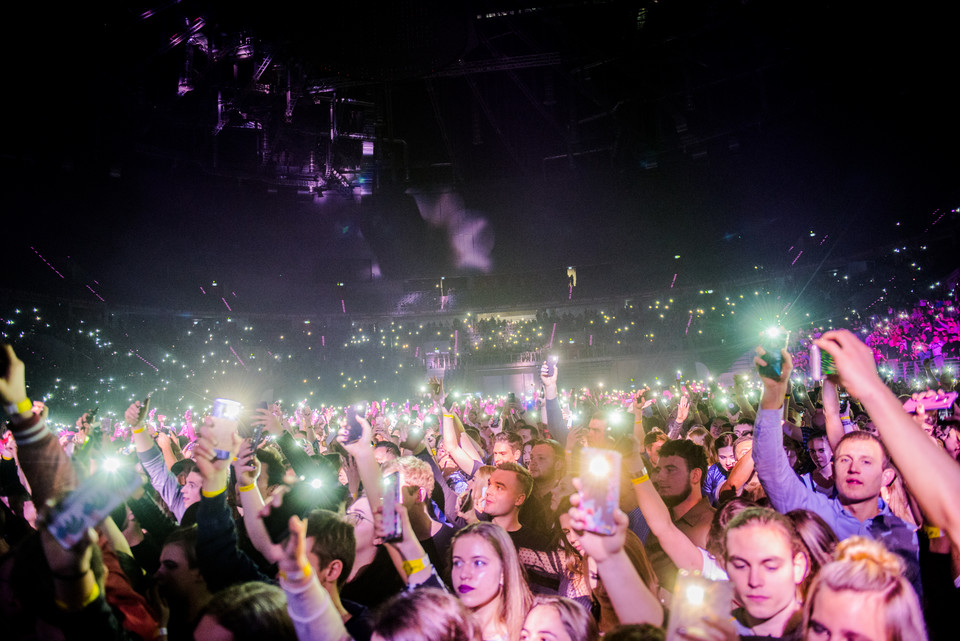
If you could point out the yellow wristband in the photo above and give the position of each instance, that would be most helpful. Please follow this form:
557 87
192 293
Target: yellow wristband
210 495
139 430
303 574
448 416
414 566
246 488
94 594
932 532
640 479
19 408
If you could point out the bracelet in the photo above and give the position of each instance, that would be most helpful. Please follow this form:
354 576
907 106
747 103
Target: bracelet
90 598
297 576
448 416
142 429
210 495
932 532
640 479
414 566
246 488
161 632
19 408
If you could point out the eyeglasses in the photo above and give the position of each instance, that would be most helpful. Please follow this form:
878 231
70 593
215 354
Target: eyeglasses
354 518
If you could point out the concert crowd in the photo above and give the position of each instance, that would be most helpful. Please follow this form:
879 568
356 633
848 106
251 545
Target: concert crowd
790 505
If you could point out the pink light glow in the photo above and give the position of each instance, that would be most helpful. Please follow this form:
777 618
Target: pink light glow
47 262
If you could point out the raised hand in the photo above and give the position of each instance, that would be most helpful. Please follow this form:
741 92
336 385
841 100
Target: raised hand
683 408
856 366
246 467
13 386
436 390
599 547
270 421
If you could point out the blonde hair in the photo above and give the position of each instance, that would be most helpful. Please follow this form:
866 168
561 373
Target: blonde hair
413 472
864 565
515 596
480 480
577 622
702 436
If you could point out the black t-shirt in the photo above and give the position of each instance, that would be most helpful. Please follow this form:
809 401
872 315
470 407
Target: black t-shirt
527 537
375 583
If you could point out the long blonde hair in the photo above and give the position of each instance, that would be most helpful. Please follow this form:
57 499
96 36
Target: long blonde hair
864 565
515 596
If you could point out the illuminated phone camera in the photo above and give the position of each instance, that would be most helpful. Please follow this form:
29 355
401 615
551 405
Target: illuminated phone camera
225 408
599 467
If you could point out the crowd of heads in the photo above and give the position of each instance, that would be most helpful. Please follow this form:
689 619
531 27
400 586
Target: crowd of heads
492 534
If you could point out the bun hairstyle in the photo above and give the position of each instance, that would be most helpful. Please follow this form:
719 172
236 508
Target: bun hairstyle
864 565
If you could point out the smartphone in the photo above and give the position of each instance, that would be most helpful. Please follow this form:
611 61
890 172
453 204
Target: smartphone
694 598
258 436
392 524
354 428
106 424
821 364
90 503
772 342
225 408
303 498
552 365
941 402
144 408
600 493
511 398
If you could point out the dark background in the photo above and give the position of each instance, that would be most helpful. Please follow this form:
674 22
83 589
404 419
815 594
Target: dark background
731 134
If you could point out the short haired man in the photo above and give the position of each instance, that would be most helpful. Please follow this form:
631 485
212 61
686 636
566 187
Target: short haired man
178 498
180 581
597 430
508 488
861 468
385 451
821 478
527 432
547 467
507 448
678 479
652 443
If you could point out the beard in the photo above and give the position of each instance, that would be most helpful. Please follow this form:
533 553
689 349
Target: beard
676 499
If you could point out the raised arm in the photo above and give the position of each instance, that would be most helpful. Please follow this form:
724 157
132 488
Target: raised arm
551 401
740 473
831 413
631 598
681 550
926 468
784 488
451 442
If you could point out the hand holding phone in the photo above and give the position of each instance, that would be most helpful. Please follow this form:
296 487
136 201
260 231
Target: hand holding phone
353 428
773 343
392 497
695 599
599 489
90 503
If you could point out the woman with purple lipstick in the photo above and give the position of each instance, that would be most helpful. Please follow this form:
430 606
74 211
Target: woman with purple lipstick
486 575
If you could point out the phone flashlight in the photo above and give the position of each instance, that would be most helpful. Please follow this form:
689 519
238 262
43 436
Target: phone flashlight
225 408
599 467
